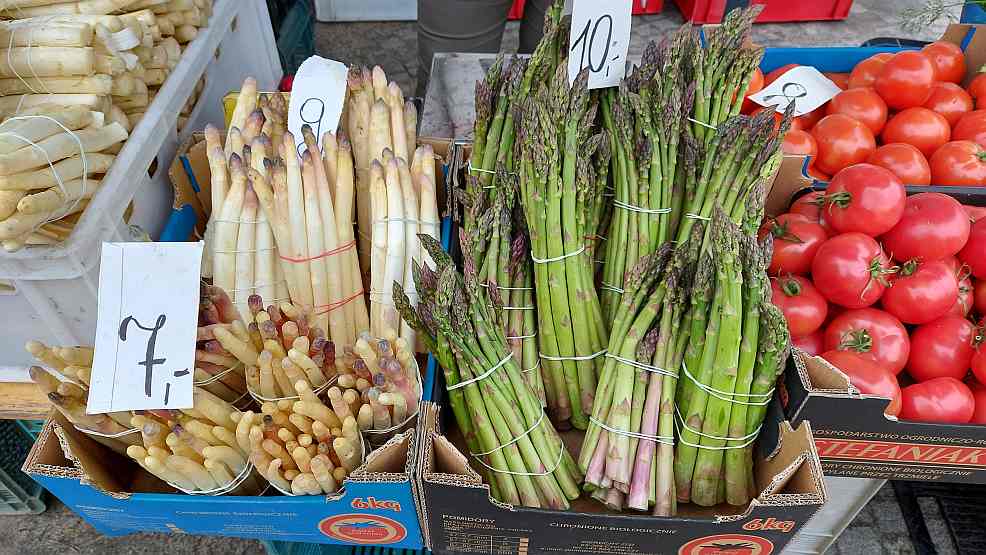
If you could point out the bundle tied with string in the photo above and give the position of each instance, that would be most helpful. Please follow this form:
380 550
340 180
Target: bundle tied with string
216 369
384 372
64 379
511 442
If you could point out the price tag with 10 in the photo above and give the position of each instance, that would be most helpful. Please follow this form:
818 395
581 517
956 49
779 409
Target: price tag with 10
599 41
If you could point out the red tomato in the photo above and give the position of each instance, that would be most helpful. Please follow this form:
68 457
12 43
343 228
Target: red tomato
971 127
809 120
921 291
977 89
959 163
975 213
773 75
949 100
873 333
920 127
778 118
865 72
798 142
978 363
905 80
841 80
810 205
812 344
905 161
941 348
944 400
979 394
933 227
864 198
755 86
851 270
803 307
974 252
862 104
842 142
963 304
796 240
868 377
948 60
979 296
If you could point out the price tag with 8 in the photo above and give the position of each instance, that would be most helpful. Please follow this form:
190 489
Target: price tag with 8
317 98
599 41
146 324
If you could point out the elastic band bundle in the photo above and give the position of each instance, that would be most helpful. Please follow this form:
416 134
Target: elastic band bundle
637 435
575 358
325 309
109 436
340 249
728 396
561 454
517 337
642 366
747 440
611 288
504 288
557 258
691 216
532 368
514 440
216 377
484 375
703 124
633 208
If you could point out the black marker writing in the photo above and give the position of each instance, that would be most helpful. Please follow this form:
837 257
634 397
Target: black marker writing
149 362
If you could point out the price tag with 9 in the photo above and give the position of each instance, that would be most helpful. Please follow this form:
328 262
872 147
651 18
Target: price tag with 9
317 97
599 41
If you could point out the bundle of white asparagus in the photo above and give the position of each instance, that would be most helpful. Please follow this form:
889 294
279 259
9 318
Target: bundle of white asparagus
196 450
302 447
51 160
396 193
65 381
216 370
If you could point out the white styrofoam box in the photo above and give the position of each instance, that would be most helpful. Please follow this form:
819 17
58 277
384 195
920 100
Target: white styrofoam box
366 10
55 287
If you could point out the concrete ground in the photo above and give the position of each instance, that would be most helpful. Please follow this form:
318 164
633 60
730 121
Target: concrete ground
878 530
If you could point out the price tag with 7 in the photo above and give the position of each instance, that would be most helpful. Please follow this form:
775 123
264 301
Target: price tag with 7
317 98
146 324
599 41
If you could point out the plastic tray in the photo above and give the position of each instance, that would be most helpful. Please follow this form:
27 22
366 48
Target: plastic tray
19 494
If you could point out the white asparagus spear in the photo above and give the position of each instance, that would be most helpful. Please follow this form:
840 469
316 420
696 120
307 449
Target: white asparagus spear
316 242
395 102
246 240
395 245
68 169
61 146
46 61
345 182
246 103
56 197
430 220
14 133
227 228
297 218
411 124
411 242
378 256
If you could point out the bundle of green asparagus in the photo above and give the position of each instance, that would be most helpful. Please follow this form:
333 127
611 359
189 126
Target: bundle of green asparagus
518 449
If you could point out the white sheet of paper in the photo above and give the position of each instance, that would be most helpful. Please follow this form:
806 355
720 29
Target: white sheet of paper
599 41
147 318
804 85
317 97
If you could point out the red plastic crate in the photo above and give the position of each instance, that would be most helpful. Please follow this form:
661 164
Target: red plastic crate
774 11
640 7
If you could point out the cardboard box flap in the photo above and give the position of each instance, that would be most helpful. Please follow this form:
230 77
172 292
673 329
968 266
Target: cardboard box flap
47 458
975 49
391 462
792 474
193 190
821 379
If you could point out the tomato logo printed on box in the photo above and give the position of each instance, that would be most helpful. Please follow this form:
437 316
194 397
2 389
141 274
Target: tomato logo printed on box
728 544
363 529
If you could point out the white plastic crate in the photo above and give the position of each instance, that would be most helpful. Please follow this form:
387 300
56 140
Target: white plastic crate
366 10
54 297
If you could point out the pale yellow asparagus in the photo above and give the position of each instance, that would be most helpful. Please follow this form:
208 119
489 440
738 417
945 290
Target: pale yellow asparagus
245 252
46 61
297 219
411 242
378 257
227 228
61 146
57 197
67 169
16 132
66 34
246 103
390 319
316 243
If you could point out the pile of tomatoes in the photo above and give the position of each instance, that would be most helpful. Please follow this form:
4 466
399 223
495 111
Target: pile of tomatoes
888 288
930 130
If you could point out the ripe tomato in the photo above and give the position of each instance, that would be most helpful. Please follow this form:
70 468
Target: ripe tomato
905 161
755 86
979 394
920 127
974 252
842 142
841 80
971 127
944 400
959 163
796 123
978 363
773 75
865 72
798 142
933 227
803 306
873 333
807 122
921 291
868 377
864 198
813 344
979 297
862 104
964 303
941 348
975 213
796 240
850 270
948 60
810 205
977 89
905 80
949 100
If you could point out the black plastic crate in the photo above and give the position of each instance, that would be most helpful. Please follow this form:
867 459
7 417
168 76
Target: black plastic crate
19 494
962 508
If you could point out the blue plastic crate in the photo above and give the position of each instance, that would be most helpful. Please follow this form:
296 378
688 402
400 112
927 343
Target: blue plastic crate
31 427
19 494
293 548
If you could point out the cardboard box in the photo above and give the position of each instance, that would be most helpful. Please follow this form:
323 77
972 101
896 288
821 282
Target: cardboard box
459 516
376 506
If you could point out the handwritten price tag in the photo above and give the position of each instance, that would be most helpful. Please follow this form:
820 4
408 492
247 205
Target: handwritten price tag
599 41
317 96
145 327
803 85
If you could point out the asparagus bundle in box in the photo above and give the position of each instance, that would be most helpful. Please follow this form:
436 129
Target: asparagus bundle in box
216 369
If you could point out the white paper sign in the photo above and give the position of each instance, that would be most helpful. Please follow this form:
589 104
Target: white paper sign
599 41
146 326
317 96
803 85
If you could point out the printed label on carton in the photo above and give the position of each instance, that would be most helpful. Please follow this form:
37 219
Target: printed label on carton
731 544
363 529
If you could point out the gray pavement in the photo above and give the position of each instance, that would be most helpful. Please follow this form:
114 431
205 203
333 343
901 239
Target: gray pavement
878 530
